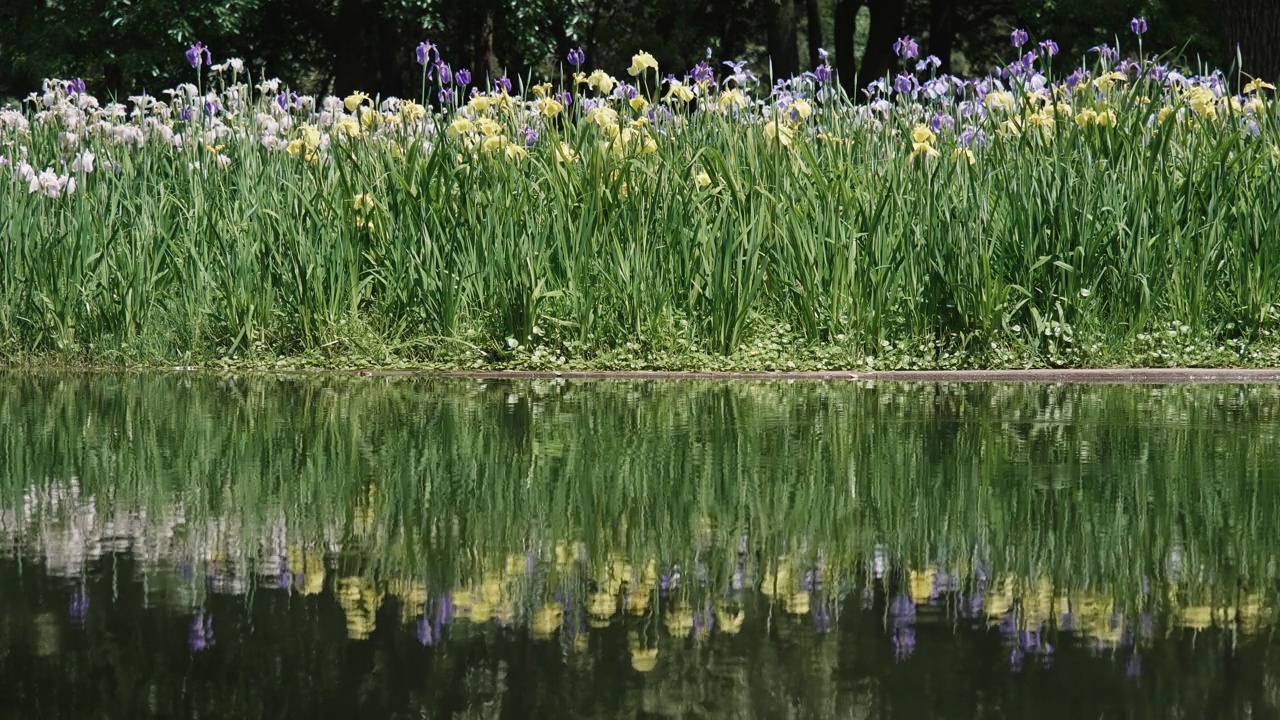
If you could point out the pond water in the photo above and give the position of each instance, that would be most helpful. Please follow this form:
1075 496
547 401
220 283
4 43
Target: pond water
258 546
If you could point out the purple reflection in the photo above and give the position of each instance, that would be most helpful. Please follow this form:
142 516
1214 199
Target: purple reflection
903 610
904 643
1146 626
1029 640
1009 624
201 635
1016 656
942 581
808 581
1133 667
670 580
426 634
821 617
703 623
78 608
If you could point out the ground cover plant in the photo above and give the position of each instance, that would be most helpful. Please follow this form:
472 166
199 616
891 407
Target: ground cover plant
1115 210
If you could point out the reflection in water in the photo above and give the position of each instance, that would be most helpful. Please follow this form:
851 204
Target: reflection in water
602 548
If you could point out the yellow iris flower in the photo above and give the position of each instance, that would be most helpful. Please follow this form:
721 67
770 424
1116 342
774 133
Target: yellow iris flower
355 100
642 61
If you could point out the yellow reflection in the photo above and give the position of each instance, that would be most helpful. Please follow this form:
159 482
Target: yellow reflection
360 602
546 621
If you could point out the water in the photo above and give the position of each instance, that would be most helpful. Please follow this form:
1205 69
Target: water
194 545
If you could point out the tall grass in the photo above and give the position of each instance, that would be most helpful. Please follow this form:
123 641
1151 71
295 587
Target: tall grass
1105 207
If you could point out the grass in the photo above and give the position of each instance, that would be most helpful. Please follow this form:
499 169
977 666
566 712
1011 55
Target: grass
793 229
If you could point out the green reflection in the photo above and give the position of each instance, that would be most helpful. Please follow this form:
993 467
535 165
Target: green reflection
761 543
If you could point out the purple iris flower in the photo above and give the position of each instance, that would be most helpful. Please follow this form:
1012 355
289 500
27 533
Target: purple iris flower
444 72
1019 37
906 83
740 74
75 87
823 55
504 82
445 95
906 48
1049 48
1106 51
822 73
577 57
565 97
1076 77
201 636
199 54
423 52
462 77
974 136
282 100
1138 25
941 122
211 108
530 136
703 73
185 114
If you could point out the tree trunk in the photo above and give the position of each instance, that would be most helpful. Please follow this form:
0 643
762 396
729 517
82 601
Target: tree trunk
486 68
846 27
1252 28
354 61
815 31
784 53
942 31
886 27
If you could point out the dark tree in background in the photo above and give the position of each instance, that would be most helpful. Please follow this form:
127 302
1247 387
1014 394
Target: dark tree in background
1253 26
781 21
123 46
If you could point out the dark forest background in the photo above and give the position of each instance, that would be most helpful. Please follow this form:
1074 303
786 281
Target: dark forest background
122 46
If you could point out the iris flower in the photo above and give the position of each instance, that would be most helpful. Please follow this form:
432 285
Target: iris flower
424 51
906 48
355 100
642 61
198 54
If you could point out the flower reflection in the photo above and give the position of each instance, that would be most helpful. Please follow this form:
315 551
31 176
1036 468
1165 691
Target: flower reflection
200 637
